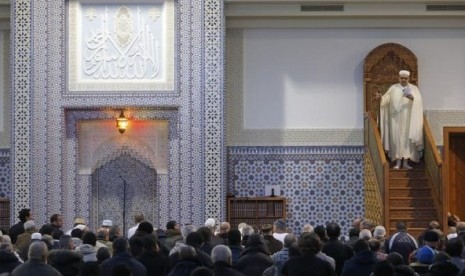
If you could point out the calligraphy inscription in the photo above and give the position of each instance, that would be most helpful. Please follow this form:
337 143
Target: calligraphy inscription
121 43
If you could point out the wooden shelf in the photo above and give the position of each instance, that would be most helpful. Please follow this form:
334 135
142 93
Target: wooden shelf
255 210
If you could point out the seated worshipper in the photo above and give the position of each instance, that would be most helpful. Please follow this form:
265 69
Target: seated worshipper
114 232
383 268
426 253
255 258
78 223
283 254
223 234
307 263
400 267
173 234
401 242
18 228
194 240
36 263
362 263
247 231
136 241
334 248
442 266
211 223
186 230
273 244
365 234
234 244
375 246
24 240
56 221
280 230
154 262
207 245
454 248
66 260
138 218
76 236
8 259
103 254
380 234
187 261
122 256
222 261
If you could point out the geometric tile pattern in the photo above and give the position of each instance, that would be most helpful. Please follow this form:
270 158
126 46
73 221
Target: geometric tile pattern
5 173
321 184
44 174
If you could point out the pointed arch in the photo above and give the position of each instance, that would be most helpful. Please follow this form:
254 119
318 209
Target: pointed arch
381 68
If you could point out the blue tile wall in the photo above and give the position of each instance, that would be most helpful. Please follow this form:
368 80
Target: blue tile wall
321 184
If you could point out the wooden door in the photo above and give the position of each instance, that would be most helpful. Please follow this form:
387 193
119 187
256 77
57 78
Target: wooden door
454 153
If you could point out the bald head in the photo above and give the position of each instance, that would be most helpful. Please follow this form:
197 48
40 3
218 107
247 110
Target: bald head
38 251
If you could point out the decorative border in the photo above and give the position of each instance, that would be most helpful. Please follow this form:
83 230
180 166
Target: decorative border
5 89
214 145
75 84
238 136
21 85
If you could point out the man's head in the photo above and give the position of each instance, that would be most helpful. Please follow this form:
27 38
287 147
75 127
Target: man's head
221 253
25 215
38 251
401 226
404 77
106 223
145 227
30 226
279 226
225 227
289 239
309 244
308 228
138 217
120 245
267 229
171 225
66 242
211 223
56 220
333 230
89 238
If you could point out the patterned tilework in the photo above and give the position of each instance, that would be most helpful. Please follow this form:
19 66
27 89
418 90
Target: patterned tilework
214 116
321 184
5 173
45 174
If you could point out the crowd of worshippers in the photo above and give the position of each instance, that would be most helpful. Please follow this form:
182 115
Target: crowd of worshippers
221 249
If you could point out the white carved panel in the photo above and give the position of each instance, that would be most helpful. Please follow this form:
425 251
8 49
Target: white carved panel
120 47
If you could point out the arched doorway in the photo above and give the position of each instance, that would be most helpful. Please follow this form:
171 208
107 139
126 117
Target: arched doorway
122 186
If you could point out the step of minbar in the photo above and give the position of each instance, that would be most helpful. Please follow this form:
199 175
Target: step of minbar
411 202
407 173
406 182
409 192
410 212
412 222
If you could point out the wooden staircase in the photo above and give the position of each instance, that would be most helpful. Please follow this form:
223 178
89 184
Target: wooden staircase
410 199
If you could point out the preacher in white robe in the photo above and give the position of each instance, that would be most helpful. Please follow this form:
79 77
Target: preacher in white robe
401 122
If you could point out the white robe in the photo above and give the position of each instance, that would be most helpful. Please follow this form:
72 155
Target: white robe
401 122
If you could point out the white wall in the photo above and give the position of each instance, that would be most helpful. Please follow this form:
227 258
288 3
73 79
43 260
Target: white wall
312 78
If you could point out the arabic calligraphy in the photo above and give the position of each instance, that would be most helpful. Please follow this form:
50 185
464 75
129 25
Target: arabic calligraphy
122 46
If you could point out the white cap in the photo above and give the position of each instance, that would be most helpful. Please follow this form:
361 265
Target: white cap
36 236
210 222
107 223
404 73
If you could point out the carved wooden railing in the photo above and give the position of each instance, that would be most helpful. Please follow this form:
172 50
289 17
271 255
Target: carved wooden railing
379 165
433 167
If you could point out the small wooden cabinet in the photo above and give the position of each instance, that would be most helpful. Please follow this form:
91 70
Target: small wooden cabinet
255 210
